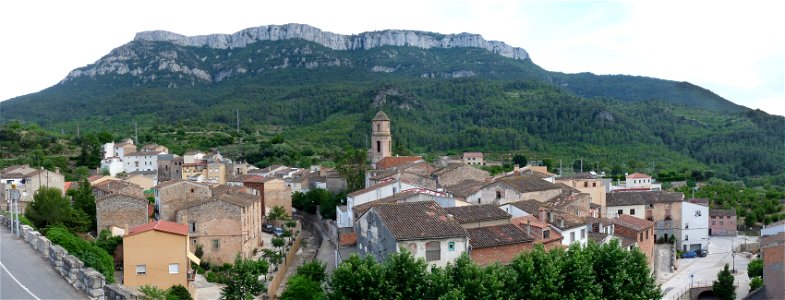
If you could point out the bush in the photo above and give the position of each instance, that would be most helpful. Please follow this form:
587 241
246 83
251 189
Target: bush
756 283
93 256
755 268
178 292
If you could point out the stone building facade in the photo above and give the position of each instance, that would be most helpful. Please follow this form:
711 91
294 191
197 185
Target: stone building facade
455 173
381 137
172 196
642 231
120 210
498 243
277 193
722 222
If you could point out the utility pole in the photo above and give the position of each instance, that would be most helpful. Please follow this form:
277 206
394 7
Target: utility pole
15 196
77 130
560 166
136 132
238 121
581 165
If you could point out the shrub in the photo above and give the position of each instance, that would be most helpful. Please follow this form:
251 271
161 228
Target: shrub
93 256
178 292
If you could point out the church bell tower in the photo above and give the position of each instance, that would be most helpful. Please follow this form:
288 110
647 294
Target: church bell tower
381 138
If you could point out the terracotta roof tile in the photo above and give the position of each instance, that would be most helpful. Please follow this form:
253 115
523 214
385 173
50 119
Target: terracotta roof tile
163 226
638 175
722 212
498 235
418 220
465 188
395 161
371 188
642 197
477 213
528 183
632 222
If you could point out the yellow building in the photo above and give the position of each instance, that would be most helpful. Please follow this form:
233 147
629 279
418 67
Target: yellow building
157 254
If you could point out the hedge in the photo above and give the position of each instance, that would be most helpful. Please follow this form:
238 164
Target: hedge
93 256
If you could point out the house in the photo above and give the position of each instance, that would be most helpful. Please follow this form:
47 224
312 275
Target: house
141 161
28 181
170 166
378 191
276 193
157 254
642 231
454 174
121 211
663 208
174 195
473 216
410 195
773 253
586 183
192 157
422 228
473 158
723 222
144 179
515 188
114 165
571 201
572 228
216 173
694 229
268 171
154 148
498 243
227 223
542 232
114 186
194 171
637 182
466 189
523 208
773 228
119 149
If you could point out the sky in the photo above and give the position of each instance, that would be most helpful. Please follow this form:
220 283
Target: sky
733 48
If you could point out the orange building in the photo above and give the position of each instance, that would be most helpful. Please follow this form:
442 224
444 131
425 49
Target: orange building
157 254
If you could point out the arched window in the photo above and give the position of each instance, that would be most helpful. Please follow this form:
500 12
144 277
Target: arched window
433 251
379 146
378 127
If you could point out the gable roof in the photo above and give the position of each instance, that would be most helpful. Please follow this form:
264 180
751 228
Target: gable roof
638 175
528 183
124 195
722 212
632 222
465 188
498 235
530 206
596 237
477 213
361 209
177 181
578 176
371 188
417 221
163 226
472 154
642 197
395 161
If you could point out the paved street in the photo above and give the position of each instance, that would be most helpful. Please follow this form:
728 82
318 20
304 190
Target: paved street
26 275
705 269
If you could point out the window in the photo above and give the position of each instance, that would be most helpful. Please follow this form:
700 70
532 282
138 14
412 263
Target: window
194 241
632 211
697 213
378 127
174 268
583 233
498 194
651 205
640 237
192 227
714 222
546 234
721 222
572 236
585 184
594 184
433 251
141 269
451 246
379 146
686 225
620 212
686 237
192 191
216 244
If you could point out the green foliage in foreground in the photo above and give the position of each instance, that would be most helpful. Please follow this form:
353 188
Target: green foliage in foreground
592 272
723 287
93 256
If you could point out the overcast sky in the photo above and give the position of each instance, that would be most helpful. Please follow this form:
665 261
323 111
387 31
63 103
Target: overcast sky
735 49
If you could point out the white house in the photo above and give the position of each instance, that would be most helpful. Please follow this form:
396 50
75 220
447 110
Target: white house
141 161
113 164
638 182
573 229
773 228
694 227
345 215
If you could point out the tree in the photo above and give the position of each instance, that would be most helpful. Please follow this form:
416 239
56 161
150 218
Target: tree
84 200
301 287
150 292
243 283
520 160
359 278
313 270
178 292
199 251
723 286
49 207
278 242
755 268
756 283
277 213
351 164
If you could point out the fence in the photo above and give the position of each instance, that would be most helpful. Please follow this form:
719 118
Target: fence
684 292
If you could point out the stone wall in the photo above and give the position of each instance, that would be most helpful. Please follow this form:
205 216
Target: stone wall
120 210
87 280
174 197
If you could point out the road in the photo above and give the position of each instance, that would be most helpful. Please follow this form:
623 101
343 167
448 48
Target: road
26 275
703 270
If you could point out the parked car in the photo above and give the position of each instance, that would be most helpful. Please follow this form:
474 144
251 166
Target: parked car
703 252
278 231
268 228
690 254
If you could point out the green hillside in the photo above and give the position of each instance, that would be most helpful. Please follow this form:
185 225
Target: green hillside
440 100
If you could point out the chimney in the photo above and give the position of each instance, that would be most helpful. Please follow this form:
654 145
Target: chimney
516 169
57 170
543 217
529 227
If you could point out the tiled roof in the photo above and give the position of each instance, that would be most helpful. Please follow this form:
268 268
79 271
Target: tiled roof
177 181
529 220
642 197
371 188
530 206
361 209
418 220
477 213
248 178
528 183
144 153
593 205
384 174
465 188
722 212
472 154
625 241
638 175
778 223
395 161
597 237
498 235
578 176
163 226
567 221
632 222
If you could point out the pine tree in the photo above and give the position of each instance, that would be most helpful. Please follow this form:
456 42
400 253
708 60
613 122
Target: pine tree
723 287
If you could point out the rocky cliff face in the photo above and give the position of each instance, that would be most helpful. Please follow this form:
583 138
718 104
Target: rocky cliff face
366 40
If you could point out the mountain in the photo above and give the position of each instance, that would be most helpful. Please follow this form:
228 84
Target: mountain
446 92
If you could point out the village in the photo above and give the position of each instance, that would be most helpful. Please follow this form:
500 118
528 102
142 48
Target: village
178 214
